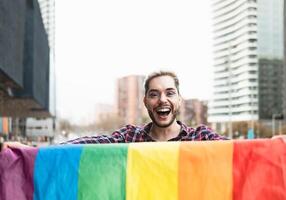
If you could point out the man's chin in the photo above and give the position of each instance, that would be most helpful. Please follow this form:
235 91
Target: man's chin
164 124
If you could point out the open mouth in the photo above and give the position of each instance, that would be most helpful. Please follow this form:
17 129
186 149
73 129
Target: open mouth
163 112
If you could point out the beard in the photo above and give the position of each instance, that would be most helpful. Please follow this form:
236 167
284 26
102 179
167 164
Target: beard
151 115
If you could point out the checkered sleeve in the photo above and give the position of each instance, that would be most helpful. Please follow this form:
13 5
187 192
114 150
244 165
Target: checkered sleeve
115 137
205 133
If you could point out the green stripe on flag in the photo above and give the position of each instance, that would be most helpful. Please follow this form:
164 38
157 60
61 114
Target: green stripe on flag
102 172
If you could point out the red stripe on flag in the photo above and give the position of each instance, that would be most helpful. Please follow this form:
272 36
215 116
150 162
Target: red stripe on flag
259 170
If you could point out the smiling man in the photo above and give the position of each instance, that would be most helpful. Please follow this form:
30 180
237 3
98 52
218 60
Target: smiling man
162 100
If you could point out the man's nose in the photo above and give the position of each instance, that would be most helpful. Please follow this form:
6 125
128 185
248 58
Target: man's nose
163 98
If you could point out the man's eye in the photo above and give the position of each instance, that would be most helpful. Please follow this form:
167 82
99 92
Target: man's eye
153 95
169 94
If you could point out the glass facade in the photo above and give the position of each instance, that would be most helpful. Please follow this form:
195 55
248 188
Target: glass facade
270 57
270 29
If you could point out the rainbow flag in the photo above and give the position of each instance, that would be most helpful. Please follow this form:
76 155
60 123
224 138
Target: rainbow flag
211 170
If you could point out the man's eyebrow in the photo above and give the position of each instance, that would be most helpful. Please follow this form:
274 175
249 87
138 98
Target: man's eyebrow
153 90
171 89
168 89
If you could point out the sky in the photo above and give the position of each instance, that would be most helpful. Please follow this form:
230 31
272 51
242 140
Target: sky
98 42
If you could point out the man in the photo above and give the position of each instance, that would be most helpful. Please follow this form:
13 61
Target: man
162 100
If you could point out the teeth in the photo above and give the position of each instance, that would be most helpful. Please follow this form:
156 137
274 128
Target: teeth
163 110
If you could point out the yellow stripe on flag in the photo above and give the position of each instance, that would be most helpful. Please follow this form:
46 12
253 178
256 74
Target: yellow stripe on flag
205 170
152 171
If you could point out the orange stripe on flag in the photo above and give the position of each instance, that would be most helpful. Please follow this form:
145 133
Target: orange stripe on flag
205 170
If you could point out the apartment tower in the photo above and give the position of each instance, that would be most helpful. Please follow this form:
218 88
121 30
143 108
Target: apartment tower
248 61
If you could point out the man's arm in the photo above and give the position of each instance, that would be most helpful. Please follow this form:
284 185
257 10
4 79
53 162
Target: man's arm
99 139
116 137
6 145
282 137
205 133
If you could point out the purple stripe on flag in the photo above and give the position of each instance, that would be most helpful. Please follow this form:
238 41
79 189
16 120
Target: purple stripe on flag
16 173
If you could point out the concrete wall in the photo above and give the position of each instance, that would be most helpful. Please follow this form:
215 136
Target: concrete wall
27 61
12 33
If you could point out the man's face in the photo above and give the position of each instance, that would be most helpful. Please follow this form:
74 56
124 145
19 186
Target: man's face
162 101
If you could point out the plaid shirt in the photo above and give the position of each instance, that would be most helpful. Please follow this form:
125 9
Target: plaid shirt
131 133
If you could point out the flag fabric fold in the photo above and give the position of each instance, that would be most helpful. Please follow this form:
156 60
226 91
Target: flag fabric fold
226 170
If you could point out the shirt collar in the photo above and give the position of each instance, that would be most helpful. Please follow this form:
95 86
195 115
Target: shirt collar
184 129
183 132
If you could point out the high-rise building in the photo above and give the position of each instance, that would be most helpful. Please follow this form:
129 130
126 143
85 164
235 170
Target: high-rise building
130 93
47 8
24 60
24 66
45 127
48 14
248 61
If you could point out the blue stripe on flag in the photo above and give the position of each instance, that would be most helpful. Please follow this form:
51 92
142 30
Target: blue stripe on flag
56 172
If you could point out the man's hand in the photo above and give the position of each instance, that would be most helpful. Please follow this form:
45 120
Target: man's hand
6 145
283 137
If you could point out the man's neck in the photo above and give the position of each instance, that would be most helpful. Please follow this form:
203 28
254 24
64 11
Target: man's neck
165 134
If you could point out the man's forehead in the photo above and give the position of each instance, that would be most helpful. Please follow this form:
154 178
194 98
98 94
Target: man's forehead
162 83
162 80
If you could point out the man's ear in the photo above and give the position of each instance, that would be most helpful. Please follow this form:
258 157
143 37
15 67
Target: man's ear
144 101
